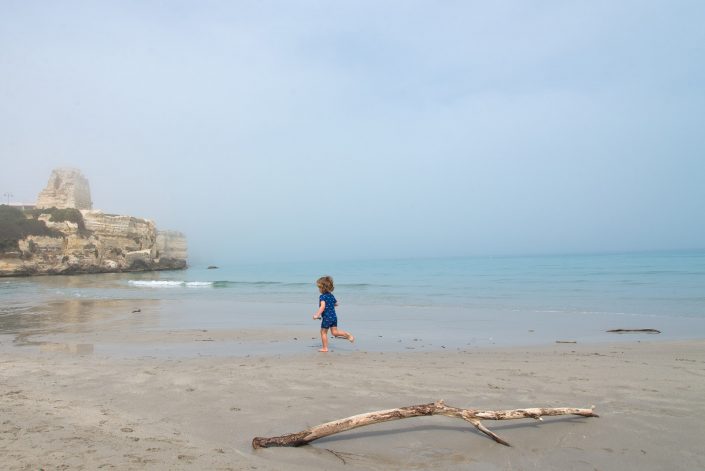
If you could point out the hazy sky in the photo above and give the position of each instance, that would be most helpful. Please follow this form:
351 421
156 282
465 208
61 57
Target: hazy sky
299 130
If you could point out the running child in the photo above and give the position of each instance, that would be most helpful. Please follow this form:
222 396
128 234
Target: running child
326 310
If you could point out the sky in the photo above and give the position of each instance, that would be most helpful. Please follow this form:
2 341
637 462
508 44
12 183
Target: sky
312 130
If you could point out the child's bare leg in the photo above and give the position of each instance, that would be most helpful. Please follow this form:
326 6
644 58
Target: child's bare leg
342 334
324 340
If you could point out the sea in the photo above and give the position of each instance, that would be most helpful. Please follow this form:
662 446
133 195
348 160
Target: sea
400 304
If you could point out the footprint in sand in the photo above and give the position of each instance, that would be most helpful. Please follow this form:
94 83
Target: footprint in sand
44 428
187 458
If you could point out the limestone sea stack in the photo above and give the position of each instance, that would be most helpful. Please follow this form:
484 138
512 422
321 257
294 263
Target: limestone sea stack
64 235
67 188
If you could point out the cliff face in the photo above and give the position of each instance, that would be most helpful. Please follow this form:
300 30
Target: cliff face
64 236
107 243
171 247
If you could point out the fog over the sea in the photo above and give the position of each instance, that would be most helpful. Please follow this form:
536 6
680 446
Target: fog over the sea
306 130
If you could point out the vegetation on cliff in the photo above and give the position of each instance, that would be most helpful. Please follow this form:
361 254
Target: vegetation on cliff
15 225
64 214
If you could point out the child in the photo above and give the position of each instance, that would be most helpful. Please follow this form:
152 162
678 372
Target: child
326 309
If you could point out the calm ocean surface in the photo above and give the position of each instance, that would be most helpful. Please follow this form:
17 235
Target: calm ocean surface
640 290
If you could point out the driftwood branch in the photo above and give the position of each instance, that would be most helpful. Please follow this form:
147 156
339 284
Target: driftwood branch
472 416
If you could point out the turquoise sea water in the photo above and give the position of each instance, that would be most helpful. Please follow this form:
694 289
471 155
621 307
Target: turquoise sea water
664 290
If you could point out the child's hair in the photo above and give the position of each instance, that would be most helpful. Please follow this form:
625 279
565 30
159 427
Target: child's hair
325 283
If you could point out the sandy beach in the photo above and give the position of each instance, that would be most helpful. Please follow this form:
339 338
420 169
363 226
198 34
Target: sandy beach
68 408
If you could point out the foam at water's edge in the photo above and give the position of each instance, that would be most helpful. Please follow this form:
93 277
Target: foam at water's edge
170 284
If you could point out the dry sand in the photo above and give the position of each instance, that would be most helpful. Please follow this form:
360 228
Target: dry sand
68 408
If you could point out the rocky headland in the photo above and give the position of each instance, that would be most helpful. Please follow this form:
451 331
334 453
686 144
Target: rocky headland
63 234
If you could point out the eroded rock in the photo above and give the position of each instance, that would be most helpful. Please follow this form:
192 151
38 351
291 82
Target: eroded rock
86 241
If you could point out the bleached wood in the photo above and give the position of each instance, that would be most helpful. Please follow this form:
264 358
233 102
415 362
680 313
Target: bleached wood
472 416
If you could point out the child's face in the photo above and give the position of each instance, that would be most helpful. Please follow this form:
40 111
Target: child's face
320 288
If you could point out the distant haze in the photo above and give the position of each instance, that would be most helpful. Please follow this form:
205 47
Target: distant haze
304 130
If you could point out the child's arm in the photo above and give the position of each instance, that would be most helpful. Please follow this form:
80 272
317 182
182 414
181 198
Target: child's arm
320 310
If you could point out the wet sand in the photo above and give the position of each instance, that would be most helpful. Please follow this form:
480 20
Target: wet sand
134 328
72 407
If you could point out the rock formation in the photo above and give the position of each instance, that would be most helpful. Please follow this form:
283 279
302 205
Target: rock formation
67 188
53 240
171 247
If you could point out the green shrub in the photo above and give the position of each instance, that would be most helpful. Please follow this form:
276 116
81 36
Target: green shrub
14 226
65 214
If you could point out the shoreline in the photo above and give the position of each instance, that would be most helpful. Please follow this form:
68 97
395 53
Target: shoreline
167 328
203 343
86 411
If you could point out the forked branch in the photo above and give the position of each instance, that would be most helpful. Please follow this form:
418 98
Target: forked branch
473 416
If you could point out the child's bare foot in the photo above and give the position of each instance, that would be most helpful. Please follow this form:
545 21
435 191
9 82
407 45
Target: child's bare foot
351 337
323 350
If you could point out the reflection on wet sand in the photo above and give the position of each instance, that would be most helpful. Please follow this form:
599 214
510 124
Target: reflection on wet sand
78 316
75 348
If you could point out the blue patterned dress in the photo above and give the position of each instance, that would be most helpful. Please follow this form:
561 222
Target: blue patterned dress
329 319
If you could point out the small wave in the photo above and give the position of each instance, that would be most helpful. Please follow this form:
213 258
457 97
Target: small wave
243 284
170 284
198 284
155 283
226 283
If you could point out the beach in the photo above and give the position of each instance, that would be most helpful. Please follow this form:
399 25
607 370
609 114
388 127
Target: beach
181 370
65 407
